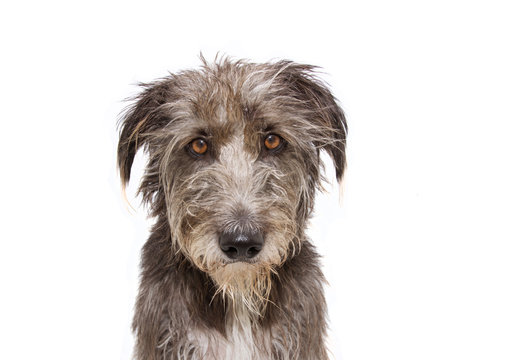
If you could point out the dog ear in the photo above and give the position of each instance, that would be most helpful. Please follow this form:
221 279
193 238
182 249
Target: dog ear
141 119
318 99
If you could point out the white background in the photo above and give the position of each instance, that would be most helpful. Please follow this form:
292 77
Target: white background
415 255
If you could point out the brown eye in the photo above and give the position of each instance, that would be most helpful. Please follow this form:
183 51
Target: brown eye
198 146
272 142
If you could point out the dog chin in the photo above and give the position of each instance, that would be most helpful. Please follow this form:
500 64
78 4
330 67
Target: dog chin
236 270
240 275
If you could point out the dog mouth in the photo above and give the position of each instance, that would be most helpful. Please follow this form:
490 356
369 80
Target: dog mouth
228 261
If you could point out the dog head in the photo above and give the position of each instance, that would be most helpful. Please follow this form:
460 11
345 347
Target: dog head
233 163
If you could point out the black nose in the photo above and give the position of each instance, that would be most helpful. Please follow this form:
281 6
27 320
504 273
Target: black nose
241 245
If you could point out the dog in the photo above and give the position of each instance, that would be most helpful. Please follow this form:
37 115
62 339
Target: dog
233 165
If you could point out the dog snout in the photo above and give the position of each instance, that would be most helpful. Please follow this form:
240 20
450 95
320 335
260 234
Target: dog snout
241 245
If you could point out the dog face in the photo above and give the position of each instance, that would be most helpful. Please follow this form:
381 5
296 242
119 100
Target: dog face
234 163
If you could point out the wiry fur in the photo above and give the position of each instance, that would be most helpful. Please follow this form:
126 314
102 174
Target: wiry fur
194 303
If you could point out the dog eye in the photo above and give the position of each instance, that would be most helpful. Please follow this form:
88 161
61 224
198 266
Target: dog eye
273 142
198 146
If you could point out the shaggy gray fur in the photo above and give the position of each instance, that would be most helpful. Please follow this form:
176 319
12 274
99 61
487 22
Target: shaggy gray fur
196 299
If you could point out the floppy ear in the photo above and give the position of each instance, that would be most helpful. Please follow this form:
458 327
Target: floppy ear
141 119
320 101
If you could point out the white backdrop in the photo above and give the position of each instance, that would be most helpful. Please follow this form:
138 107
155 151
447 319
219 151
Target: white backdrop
415 255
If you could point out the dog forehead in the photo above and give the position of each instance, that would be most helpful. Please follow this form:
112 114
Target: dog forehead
221 118
228 94
234 103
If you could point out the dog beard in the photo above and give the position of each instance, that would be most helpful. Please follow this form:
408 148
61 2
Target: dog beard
244 285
